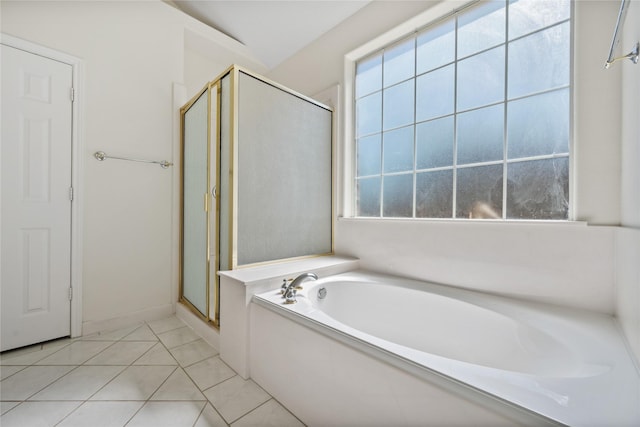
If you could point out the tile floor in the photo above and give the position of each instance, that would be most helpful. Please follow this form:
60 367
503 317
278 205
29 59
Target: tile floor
155 374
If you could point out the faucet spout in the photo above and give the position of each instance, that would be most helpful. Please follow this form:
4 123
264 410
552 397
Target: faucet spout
289 289
297 282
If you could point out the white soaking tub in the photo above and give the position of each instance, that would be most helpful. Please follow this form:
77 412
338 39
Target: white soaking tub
483 359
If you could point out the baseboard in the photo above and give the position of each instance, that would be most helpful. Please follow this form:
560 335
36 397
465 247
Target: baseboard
149 314
206 332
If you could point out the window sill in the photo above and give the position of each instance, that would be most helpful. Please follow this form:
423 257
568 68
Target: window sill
467 221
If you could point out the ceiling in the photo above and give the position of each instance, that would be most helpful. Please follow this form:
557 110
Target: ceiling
272 30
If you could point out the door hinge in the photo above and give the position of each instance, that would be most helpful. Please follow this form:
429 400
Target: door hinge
72 94
70 293
71 194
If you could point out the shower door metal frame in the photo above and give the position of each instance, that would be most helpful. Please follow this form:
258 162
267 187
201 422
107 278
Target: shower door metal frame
212 91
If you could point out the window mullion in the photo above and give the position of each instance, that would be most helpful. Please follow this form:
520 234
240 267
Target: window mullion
505 141
454 193
382 136
415 118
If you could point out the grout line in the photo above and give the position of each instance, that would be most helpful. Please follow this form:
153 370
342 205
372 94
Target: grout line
124 367
199 415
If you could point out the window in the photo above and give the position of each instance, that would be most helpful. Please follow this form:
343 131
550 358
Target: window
468 118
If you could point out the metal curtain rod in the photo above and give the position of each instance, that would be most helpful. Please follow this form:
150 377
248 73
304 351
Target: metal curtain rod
101 155
633 55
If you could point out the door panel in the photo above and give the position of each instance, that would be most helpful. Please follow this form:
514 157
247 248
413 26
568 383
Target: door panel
35 208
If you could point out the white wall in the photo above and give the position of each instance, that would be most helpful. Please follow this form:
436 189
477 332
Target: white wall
630 207
205 60
564 264
133 53
628 236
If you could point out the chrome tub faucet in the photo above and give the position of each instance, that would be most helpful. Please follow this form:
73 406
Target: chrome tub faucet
290 287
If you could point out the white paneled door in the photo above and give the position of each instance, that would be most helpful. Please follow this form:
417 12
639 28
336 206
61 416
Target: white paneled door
35 266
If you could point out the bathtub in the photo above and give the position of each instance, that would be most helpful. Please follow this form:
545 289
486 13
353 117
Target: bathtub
380 350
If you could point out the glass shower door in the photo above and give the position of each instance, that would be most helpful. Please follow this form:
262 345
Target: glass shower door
195 182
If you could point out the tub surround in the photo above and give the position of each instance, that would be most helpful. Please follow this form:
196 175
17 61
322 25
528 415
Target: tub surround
523 360
563 263
628 286
237 287
328 383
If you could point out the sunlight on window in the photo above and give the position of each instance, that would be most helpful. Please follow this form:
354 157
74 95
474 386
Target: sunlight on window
469 117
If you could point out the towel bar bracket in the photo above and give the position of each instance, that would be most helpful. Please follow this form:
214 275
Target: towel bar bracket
632 56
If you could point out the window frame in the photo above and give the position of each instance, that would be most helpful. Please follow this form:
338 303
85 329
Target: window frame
432 17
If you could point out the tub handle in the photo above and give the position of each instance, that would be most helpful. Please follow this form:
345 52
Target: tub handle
290 296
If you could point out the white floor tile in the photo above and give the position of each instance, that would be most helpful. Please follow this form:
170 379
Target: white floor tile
113 335
26 358
7 371
37 414
59 343
79 384
121 353
193 352
102 414
75 353
209 372
271 414
178 337
167 414
158 355
178 387
20 351
167 324
135 383
128 377
5 406
30 380
210 418
236 397
143 333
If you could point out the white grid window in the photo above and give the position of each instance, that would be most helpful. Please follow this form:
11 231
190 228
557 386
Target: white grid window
469 118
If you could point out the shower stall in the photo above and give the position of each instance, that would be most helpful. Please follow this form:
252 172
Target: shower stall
257 185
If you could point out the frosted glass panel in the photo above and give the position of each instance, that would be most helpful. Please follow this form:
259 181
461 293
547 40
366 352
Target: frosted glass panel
539 125
284 174
526 16
398 196
481 28
539 62
398 150
399 62
194 255
369 155
479 193
369 113
538 189
481 79
434 143
368 203
436 47
398 105
212 214
435 93
434 194
480 135
369 76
